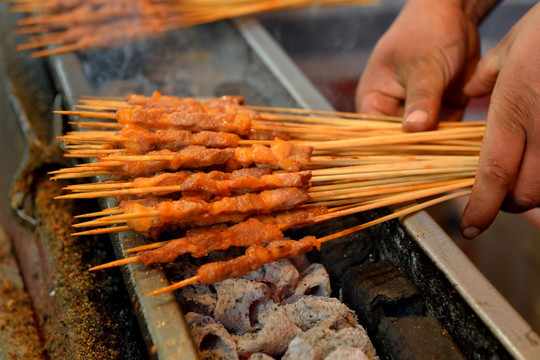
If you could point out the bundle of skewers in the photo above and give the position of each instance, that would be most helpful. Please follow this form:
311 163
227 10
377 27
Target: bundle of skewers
74 25
224 174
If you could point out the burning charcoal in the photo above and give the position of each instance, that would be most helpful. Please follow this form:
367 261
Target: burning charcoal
260 356
300 262
257 312
380 290
306 311
346 353
334 322
281 276
235 300
314 281
416 337
211 338
197 298
300 349
327 336
273 338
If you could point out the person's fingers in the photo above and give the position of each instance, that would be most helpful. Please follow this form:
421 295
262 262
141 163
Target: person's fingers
483 79
425 87
379 103
525 193
500 159
378 91
419 66
509 167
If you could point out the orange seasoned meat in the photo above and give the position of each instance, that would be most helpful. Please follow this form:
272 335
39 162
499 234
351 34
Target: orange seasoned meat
197 212
191 157
280 155
170 104
199 242
178 178
237 123
199 157
255 257
137 139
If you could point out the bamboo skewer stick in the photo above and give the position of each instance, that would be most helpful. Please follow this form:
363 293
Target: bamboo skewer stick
400 213
111 211
151 246
347 115
119 262
407 138
88 114
101 231
376 191
397 173
329 123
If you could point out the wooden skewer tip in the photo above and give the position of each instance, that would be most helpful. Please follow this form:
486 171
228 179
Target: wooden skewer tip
175 286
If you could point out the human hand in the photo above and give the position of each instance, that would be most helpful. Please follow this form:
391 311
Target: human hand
509 166
418 68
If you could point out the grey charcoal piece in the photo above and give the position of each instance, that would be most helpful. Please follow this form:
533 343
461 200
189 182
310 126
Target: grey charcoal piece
327 336
380 290
280 275
197 298
346 353
274 337
211 338
314 281
416 337
300 262
301 349
260 356
259 312
307 311
235 299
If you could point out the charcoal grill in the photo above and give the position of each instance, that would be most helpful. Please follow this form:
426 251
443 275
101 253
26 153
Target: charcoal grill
240 57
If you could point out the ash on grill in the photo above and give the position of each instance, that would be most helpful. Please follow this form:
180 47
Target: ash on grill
282 310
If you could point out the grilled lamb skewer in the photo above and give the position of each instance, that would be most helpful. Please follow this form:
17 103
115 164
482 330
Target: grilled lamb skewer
214 183
138 140
152 215
280 155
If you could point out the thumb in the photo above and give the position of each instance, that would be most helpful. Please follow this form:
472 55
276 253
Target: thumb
483 79
425 87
